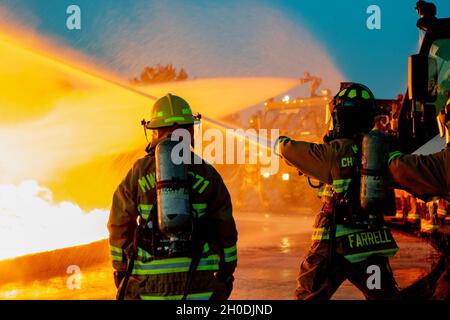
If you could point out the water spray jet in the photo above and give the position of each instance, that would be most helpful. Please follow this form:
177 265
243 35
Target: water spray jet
72 145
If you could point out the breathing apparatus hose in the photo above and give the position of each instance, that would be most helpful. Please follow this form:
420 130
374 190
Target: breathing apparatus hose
192 268
314 186
130 267
197 255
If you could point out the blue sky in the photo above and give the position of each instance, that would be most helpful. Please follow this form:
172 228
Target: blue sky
240 38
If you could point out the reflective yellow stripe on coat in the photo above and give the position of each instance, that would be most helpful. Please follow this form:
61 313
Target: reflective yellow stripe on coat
117 254
230 254
320 234
364 255
173 265
341 185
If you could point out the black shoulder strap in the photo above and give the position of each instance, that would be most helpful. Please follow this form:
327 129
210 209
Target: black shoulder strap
130 266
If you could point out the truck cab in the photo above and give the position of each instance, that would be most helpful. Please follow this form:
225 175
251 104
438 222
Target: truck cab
427 95
428 81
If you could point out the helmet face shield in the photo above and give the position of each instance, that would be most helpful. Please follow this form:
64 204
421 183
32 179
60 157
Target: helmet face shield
344 103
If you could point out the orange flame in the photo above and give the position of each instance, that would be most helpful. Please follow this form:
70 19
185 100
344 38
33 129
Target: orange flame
77 134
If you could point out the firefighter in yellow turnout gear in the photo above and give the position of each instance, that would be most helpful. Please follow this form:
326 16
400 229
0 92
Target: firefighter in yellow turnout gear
156 274
346 254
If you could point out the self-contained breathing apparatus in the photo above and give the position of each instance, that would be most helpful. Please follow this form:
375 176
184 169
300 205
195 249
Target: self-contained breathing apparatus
172 234
376 197
172 227
169 232
363 204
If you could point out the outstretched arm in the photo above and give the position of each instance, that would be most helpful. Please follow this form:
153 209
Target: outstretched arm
312 159
423 176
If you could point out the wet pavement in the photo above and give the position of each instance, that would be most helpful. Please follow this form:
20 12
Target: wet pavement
270 250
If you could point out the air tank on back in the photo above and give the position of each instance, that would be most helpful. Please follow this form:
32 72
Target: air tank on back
374 193
172 193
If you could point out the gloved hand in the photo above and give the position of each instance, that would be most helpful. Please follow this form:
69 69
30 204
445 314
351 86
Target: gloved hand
227 281
328 137
118 277
276 146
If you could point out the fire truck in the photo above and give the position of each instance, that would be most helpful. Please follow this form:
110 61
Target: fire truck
300 118
427 94
254 187
413 121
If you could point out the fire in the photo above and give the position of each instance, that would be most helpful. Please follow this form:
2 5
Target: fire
72 135
32 222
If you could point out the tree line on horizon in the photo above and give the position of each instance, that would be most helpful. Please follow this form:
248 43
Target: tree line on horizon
160 73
